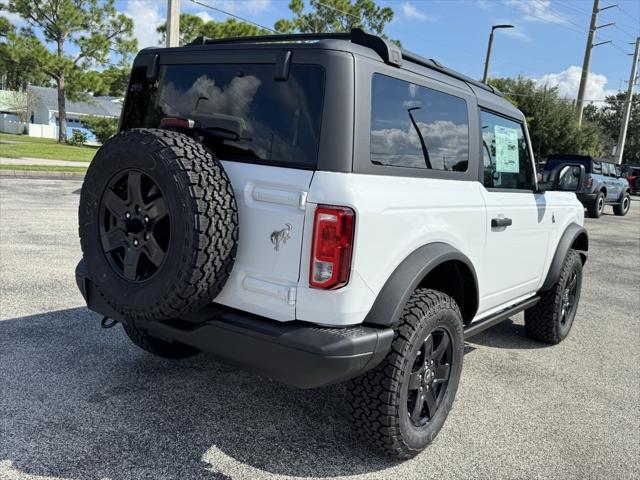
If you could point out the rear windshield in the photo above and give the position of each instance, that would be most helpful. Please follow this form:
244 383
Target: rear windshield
554 162
238 110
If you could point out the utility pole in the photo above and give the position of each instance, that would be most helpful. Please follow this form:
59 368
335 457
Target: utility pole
627 106
587 56
173 23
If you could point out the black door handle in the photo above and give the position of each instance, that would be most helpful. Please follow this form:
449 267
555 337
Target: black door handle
501 222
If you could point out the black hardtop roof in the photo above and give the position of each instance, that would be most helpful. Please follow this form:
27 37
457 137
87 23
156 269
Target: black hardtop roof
388 51
357 42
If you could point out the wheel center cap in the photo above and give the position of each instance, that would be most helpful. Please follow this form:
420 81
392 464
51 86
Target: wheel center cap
134 225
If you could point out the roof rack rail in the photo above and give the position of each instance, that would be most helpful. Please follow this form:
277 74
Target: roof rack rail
435 65
389 51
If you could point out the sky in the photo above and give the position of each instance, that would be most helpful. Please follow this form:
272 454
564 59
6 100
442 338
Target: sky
547 44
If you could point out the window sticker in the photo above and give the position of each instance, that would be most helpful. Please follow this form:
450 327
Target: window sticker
507 159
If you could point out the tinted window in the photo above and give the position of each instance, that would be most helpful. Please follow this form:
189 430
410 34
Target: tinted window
241 111
417 127
506 157
597 167
554 162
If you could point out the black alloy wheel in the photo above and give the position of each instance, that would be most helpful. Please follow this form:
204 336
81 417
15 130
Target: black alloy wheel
569 304
429 377
135 225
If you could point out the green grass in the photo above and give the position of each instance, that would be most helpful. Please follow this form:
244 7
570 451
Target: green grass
10 137
43 148
42 168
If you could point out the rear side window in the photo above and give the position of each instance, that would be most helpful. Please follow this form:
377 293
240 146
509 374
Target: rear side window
417 127
597 167
241 112
507 164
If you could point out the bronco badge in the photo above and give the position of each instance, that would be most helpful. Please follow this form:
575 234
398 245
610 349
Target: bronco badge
281 236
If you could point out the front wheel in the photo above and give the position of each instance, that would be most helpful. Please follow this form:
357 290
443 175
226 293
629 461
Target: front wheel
623 208
550 319
402 404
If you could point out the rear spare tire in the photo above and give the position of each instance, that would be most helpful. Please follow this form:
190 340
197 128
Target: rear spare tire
158 224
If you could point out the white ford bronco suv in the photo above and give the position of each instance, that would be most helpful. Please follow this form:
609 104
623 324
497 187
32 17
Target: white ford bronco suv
327 208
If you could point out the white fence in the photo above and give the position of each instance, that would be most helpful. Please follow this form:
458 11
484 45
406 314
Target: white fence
9 124
43 131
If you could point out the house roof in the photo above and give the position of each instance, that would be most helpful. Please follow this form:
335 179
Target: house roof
101 106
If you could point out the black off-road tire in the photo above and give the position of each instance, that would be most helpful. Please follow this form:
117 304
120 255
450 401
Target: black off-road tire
546 320
203 223
160 348
595 208
378 400
625 204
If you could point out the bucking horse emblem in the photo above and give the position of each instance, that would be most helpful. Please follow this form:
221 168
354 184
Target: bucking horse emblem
280 237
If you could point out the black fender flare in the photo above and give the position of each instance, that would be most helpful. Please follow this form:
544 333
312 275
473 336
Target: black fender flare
568 238
389 303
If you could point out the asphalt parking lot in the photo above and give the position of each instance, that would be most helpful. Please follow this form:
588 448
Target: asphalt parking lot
79 402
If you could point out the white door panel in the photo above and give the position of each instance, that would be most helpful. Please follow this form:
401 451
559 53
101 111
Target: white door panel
270 200
515 255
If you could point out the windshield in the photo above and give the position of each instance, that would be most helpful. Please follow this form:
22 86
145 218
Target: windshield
239 110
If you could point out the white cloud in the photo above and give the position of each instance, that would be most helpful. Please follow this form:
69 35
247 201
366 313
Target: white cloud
146 19
568 82
537 11
410 11
518 33
204 16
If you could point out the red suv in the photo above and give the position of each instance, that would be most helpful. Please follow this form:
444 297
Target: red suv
633 176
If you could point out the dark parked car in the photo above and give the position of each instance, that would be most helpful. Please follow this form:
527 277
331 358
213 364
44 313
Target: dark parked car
603 183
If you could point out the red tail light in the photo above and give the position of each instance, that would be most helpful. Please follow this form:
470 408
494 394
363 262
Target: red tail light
176 122
588 182
332 245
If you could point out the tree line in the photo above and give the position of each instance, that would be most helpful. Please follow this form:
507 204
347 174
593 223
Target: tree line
84 47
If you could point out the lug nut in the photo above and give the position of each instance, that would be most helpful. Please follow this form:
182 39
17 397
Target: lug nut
146 236
135 242
127 215
146 219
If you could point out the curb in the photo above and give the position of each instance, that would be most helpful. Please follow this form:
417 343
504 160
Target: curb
41 175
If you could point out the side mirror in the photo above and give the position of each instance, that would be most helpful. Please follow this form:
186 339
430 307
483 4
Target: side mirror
565 178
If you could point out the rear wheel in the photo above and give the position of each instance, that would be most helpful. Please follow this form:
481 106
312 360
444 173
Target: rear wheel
551 319
625 203
595 208
402 404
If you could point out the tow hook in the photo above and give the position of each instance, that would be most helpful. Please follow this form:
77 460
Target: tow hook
107 322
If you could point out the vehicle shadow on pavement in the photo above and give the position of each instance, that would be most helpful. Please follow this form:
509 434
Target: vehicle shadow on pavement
81 402
507 334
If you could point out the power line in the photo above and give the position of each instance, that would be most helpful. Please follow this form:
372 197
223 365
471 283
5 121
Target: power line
237 17
628 14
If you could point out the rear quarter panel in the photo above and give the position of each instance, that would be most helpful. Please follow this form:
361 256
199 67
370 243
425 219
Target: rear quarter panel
394 217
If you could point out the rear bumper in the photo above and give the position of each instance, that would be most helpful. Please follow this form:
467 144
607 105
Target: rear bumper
296 353
586 197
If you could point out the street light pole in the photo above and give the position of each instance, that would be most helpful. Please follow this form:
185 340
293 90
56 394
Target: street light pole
627 106
485 77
